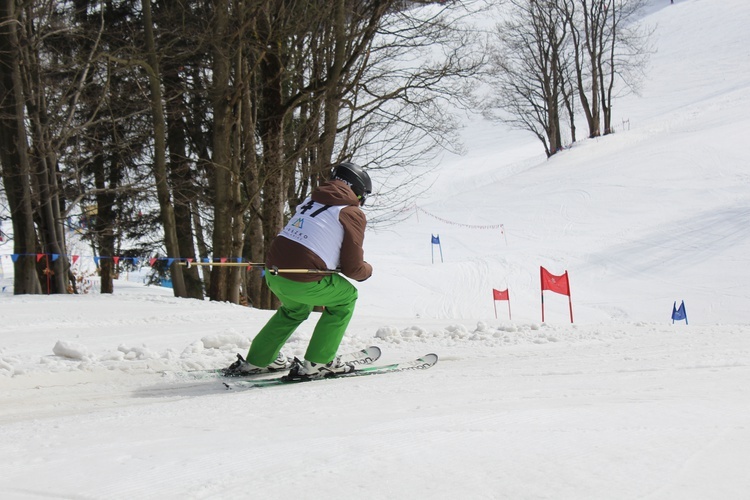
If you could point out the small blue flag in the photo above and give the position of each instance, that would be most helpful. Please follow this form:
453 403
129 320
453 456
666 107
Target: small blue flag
679 313
436 241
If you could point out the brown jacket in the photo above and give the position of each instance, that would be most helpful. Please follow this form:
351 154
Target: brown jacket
287 254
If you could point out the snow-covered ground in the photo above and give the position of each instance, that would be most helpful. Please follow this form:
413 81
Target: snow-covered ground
621 404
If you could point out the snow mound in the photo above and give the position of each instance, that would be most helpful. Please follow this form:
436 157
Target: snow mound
226 340
70 350
136 353
492 336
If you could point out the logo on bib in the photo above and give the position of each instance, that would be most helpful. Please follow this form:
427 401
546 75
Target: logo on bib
298 223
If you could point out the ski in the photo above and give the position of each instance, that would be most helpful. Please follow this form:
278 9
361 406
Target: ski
363 357
421 363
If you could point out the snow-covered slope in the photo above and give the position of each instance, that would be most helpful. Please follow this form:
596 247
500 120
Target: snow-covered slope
658 212
622 404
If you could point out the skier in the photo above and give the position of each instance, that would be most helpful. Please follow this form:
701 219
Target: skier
325 233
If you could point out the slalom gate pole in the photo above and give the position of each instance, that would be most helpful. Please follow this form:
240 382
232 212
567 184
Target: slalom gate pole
510 318
570 304
541 281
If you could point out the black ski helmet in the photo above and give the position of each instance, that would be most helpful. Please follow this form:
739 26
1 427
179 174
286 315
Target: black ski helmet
356 177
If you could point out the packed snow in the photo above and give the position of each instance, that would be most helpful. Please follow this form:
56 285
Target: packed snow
620 404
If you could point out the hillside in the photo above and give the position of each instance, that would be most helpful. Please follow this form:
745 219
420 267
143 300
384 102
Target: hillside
95 401
658 212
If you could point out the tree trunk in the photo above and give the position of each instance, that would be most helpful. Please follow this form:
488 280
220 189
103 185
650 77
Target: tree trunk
160 161
271 125
235 202
222 236
44 166
333 99
592 29
104 222
201 244
47 194
181 176
582 51
13 154
253 248
607 72
48 230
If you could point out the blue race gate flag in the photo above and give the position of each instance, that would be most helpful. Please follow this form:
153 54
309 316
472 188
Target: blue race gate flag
679 313
436 241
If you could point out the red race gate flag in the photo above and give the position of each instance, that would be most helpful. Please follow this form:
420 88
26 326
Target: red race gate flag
557 284
501 295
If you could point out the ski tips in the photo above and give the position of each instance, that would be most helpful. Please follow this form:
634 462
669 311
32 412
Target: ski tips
430 359
373 349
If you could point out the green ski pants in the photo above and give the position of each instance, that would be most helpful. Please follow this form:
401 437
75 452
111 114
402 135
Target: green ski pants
297 302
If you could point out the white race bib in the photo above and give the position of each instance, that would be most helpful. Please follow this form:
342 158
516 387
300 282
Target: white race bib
317 227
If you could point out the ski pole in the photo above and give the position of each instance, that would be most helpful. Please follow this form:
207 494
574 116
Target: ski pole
274 270
222 264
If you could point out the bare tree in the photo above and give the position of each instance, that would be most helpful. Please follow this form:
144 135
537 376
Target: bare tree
160 152
554 57
625 52
607 45
221 116
103 131
527 71
400 102
180 48
15 164
586 20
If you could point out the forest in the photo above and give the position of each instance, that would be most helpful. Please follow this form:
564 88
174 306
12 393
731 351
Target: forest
190 130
